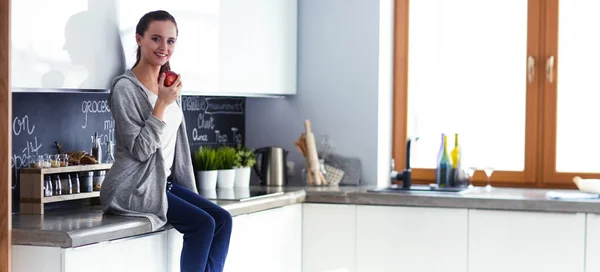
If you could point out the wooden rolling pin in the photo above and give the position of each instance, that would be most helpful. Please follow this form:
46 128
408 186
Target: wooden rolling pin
313 158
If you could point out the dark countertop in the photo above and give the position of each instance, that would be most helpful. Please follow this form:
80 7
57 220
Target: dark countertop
75 228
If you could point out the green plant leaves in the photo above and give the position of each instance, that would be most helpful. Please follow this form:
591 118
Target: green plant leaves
207 158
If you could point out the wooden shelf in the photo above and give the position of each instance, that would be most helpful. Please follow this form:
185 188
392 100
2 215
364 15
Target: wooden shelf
59 198
66 169
31 182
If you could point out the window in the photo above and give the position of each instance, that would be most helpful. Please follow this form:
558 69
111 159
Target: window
499 74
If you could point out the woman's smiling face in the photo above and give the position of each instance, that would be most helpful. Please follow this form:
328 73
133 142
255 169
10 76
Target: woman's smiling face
158 43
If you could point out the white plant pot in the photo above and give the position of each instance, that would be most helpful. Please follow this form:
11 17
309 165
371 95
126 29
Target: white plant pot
226 178
206 180
242 177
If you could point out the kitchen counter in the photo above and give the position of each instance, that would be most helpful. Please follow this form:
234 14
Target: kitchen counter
75 228
91 225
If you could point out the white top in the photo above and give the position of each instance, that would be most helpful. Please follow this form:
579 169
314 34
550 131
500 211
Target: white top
173 117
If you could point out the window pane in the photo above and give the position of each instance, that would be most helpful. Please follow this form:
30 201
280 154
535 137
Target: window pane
578 57
467 63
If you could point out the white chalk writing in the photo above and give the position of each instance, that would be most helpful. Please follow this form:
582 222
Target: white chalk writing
237 137
224 106
90 106
22 124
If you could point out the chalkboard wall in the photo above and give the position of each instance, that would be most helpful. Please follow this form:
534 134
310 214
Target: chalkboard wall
41 119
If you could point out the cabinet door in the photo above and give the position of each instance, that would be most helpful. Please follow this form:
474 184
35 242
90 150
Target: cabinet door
36 258
592 243
140 253
239 255
76 47
273 240
85 258
526 241
411 239
257 46
174 246
329 238
196 49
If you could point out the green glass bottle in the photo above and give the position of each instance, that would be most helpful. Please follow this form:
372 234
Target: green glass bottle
444 168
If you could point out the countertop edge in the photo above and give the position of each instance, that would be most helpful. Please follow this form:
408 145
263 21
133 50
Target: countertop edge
352 196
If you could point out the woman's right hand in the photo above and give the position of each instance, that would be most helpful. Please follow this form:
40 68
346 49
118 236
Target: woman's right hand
169 94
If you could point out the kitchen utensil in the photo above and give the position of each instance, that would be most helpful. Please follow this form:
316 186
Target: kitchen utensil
326 147
313 158
271 166
333 175
350 165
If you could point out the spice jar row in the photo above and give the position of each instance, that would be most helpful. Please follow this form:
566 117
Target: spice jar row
48 160
73 183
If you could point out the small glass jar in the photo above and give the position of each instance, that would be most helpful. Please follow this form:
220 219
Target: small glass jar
48 186
45 161
86 181
55 160
35 161
56 185
65 181
75 189
98 179
64 160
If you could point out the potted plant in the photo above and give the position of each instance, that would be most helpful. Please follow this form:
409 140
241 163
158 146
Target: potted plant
244 160
206 163
226 157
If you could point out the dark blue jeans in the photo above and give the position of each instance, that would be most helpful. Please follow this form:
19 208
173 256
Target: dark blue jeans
206 229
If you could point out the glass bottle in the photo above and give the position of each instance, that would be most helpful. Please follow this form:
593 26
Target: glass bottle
456 155
444 166
48 186
66 184
75 189
110 153
96 148
57 186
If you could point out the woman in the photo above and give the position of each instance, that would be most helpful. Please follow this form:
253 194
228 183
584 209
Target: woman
152 175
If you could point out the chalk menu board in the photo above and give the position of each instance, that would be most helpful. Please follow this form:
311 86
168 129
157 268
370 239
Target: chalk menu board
214 121
71 119
41 119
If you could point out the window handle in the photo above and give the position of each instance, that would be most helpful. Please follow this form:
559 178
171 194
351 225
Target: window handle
530 68
549 68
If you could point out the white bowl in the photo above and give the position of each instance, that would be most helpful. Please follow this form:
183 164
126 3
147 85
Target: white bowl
587 185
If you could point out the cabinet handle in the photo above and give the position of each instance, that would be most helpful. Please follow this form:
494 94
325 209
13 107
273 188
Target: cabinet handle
530 68
549 68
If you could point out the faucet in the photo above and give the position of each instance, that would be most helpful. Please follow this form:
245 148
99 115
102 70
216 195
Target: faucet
405 175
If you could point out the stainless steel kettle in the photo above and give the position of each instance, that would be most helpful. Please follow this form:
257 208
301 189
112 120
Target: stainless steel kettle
271 165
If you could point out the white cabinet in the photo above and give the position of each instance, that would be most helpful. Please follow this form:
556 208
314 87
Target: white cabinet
140 253
36 258
257 46
75 45
270 240
592 243
526 241
411 239
329 238
224 47
79 259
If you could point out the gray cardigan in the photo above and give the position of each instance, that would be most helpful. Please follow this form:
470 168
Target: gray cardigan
135 184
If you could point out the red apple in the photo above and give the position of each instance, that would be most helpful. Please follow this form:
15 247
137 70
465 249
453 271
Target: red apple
170 78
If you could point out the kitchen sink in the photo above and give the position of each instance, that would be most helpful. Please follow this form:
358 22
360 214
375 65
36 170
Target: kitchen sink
419 188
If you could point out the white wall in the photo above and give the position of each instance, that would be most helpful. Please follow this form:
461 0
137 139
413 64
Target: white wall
339 86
